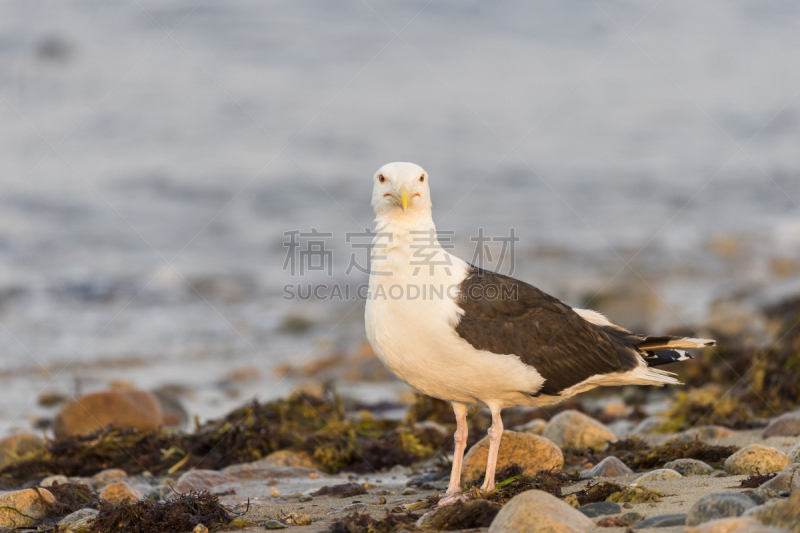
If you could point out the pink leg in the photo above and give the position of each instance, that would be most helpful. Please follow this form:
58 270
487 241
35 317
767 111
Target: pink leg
454 493
495 434
460 438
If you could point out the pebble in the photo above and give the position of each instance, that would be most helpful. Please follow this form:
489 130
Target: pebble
705 433
608 467
657 475
535 510
593 510
31 502
787 480
119 492
197 480
200 528
572 429
718 505
649 425
274 493
16 446
104 477
273 524
354 507
664 520
767 513
49 481
756 459
786 425
690 467
729 525
408 492
418 481
531 452
121 408
78 520
287 458
380 501
534 427
306 499
616 408
632 518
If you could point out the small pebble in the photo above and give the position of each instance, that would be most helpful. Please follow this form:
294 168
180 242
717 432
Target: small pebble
397 509
313 476
274 524
273 492
627 505
409 492
382 492
306 499
302 520
200 528
380 501
272 481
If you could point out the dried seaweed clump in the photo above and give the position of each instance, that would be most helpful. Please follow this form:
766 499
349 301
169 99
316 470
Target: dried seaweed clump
511 481
72 496
639 455
468 514
754 481
597 492
181 513
364 523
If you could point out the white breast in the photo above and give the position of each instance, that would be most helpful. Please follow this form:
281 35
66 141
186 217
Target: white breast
411 318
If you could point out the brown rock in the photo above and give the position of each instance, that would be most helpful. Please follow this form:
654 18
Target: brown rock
195 480
784 514
535 510
608 467
572 429
288 458
14 506
121 408
16 447
120 492
531 452
109 475
756 459
709 432
786 425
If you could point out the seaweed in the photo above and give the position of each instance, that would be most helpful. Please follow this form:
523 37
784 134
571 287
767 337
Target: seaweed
754 481
639 455
69 497
303 422
597 492
180 513
472 513
364 523
511 481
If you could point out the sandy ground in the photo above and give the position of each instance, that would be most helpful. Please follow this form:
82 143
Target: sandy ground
680 494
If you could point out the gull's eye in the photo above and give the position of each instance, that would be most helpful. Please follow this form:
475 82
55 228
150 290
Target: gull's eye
381 178
422 178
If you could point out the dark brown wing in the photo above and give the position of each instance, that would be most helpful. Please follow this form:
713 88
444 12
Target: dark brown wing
507 316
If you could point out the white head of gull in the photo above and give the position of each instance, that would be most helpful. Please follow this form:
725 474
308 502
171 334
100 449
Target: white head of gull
470 336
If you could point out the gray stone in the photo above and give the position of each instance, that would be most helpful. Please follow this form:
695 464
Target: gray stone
600 509
664 520
786 425
535 510
608 467
787 480
632 518
718 505
274 524
690 467
794 453
78 522
649 425
657 475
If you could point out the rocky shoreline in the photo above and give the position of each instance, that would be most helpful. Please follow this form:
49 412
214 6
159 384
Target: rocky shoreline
721 455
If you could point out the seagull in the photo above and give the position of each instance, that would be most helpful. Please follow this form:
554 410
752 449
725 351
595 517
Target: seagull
470 336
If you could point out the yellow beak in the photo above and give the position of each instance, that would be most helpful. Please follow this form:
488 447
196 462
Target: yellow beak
404 199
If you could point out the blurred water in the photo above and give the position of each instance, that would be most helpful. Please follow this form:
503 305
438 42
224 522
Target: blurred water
637 147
